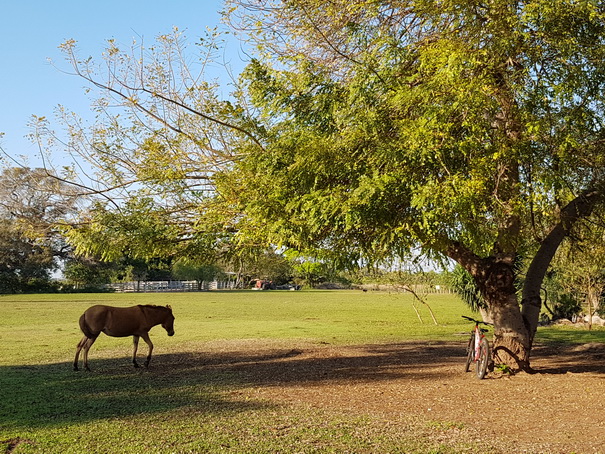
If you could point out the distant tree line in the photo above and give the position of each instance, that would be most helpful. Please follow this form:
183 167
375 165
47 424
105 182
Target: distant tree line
36 255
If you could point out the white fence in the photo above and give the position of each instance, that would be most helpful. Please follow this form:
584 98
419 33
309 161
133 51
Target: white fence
194 286
169 286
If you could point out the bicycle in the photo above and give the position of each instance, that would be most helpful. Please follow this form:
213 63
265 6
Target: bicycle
478 349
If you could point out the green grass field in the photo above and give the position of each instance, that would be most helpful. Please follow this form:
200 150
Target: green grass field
47 407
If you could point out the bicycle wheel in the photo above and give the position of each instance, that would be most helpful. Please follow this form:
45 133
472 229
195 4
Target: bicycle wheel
483 360
470 352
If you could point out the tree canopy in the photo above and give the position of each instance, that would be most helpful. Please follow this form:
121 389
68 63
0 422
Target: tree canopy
472 131
33 205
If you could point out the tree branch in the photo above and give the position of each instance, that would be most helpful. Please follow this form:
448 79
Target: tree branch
580 207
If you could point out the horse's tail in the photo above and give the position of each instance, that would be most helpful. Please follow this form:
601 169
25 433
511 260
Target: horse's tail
85 328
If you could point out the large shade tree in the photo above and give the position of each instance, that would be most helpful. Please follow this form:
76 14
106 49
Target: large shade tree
472 130
467 130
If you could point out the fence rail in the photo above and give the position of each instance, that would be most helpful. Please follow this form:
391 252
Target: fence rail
416 288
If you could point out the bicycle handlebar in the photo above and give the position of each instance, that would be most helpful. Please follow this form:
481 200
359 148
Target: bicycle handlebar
478 322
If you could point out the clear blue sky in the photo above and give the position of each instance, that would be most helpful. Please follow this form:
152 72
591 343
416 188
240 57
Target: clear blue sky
32 30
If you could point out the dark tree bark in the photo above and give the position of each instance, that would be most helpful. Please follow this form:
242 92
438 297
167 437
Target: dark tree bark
581 207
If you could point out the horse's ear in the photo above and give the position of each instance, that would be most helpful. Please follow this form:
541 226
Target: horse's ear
169 306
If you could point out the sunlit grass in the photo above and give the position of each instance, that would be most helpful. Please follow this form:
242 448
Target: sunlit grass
182 404
44 328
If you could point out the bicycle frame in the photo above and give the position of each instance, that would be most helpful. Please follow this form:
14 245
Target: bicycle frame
478 349
479 334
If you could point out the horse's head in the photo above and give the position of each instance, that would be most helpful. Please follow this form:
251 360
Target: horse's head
168 323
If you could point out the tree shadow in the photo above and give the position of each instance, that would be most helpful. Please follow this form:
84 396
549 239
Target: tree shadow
51 395
281 367
559 358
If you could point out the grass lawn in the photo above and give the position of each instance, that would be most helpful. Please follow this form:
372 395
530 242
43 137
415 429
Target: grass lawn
46 407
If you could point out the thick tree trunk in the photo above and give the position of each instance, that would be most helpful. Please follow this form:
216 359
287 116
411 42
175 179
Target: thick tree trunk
495 277
515 326
512 342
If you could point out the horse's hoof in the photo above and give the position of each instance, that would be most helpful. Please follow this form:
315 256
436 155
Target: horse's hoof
136 365
76 369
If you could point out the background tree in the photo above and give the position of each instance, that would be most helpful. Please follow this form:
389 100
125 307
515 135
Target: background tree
25 264
88 273
33 207
266 264
581 268
39 203
308 270
196 270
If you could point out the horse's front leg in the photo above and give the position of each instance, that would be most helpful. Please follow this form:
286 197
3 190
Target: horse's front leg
135 343
150 344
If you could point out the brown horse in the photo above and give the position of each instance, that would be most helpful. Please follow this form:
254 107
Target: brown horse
133 321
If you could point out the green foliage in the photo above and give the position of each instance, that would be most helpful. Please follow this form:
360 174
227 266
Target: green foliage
503 368
472 125
566 307
466 288
140 229
186 269
379 139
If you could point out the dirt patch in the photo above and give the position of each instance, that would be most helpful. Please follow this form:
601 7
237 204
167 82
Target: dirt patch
13 444
559 409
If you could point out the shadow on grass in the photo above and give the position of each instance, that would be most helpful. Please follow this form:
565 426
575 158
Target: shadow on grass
569 349
53 395
50 395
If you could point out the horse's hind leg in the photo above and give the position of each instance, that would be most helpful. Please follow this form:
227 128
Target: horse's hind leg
135 345
78 349
87 345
